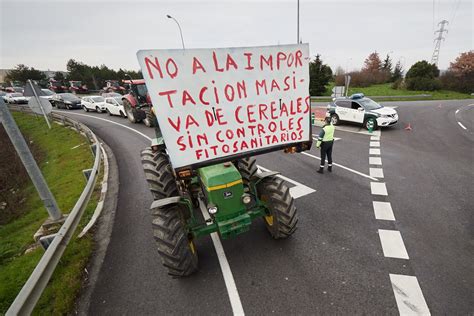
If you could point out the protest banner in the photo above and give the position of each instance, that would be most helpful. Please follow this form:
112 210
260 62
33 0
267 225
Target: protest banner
228 102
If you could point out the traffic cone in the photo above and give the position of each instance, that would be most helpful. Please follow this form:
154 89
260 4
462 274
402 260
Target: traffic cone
408 127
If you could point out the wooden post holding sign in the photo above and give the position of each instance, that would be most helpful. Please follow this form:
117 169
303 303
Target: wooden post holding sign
220 104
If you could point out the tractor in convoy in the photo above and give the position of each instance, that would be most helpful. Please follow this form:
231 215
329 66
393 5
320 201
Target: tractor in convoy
57 86
113 86
77 87
202 160
137 103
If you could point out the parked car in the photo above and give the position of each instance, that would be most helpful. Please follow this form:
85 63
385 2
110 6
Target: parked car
48 94
3 95
66 101
93 103
359 109
16 98
114 106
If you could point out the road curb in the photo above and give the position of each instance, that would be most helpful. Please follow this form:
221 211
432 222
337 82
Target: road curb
102 235
103 193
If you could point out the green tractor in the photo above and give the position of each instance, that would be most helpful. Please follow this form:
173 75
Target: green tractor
233 194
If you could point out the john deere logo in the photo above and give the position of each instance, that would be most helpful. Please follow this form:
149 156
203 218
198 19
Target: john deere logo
227 195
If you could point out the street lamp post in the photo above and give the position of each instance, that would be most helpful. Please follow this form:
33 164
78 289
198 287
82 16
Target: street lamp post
180 32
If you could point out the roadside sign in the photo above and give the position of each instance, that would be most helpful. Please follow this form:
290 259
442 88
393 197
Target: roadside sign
338 91
36 107
228 102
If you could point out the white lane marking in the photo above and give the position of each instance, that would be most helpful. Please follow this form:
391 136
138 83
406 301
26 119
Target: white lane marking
102 119
374 144
229 281
460 124
343 167
392 244
375 161
375 138
298 190
457 111
408 294
376 172
225 267
378 188
383 211
374 151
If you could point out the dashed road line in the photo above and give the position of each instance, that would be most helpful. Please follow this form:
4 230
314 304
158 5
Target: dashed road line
376 172
378 188
375 138
383 211
408 294
374 144
457 111
375 161
392 244
374 151
343 167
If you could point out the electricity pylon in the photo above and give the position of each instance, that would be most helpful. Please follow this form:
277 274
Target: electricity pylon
434 58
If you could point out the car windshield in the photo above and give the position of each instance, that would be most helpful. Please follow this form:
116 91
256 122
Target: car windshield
17 95
119 100
370 104
69 97
47 91
98 99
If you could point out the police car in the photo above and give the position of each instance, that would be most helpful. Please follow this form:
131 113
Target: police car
359 109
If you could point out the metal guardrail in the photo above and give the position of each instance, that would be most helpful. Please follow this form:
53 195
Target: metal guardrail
29 295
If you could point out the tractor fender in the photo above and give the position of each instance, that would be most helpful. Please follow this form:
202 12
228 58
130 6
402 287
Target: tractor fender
266 174
165 202
130 99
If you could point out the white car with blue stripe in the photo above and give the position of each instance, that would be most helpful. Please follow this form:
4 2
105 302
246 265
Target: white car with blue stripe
359 109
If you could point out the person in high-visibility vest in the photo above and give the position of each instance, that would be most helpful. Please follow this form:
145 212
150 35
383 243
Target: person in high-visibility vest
325 141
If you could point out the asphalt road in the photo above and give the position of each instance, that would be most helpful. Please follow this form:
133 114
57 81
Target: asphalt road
337 261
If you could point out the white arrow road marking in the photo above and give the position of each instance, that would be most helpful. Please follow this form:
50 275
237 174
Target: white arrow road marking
298 190
232 292
410 299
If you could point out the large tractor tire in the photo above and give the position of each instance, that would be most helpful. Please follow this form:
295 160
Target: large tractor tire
149 120
178 252
282 218
248 169
159 174
128 108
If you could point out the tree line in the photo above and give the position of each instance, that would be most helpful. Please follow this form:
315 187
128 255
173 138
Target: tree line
421 76
92 76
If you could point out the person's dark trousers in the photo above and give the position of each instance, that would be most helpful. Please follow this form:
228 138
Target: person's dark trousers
326 150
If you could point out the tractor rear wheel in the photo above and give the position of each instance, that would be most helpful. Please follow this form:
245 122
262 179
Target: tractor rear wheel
149 120
128 109
159 174
248 169
176 248
282 218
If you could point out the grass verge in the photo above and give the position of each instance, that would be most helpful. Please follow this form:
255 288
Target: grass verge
65 153
398 94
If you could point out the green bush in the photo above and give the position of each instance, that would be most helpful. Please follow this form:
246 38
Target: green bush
422 84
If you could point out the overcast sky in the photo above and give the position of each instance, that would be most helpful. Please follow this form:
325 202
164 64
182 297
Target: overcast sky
45 34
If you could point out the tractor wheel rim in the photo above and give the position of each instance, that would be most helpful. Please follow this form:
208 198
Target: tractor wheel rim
192 247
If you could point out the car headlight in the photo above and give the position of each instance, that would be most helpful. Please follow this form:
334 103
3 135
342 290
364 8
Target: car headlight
67 102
